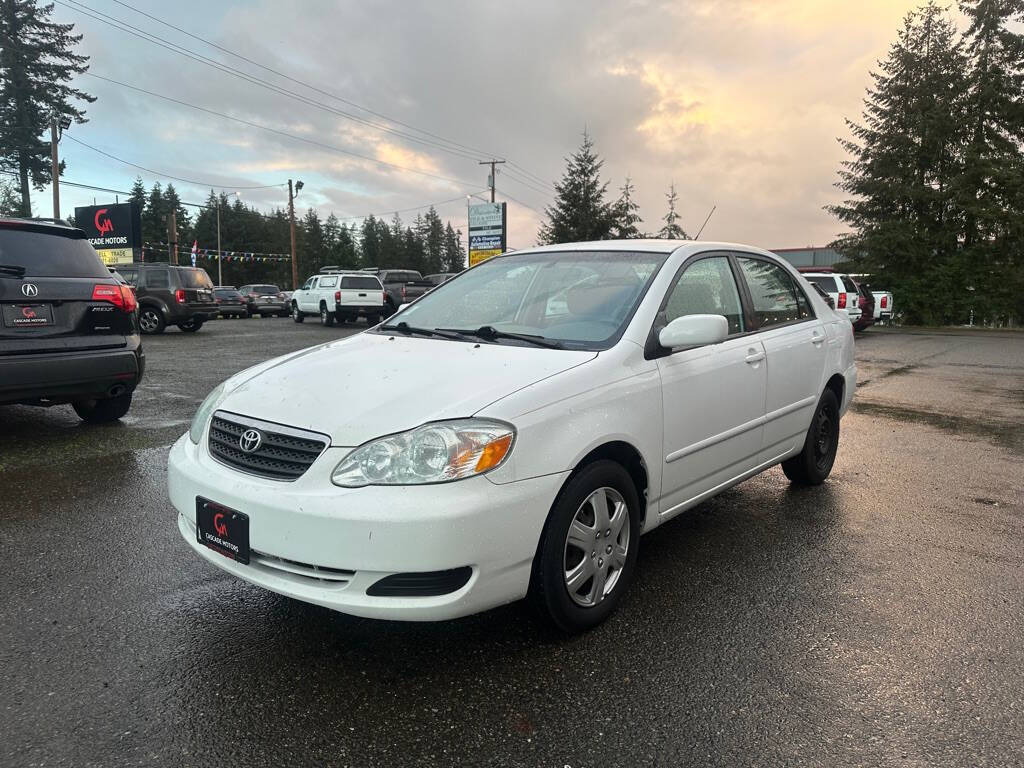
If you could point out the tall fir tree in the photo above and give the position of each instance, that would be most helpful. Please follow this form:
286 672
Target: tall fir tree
626 214
580 211
671 230
454 258
433 243
37 61
905 158
991 189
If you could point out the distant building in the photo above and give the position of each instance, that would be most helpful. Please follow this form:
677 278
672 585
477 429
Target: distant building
809 257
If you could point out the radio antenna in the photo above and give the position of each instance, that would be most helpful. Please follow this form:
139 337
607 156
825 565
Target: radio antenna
697 237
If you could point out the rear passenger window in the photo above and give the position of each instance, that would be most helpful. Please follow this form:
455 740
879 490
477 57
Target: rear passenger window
328 282
776 297
157 279
130 276
706 287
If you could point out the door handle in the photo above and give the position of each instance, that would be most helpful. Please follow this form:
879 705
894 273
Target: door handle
817 339
754 357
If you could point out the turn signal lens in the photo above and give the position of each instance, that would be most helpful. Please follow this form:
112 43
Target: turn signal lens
494 453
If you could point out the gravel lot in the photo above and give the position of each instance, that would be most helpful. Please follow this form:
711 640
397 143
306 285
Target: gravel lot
877 620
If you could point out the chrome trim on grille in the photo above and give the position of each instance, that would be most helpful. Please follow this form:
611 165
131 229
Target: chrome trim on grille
284 453
335 576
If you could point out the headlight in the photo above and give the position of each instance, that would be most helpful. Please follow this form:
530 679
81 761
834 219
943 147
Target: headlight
195 430
434 453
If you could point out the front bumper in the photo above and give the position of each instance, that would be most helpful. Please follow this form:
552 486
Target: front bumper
372 532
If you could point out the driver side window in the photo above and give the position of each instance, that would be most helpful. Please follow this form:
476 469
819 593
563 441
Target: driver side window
706 287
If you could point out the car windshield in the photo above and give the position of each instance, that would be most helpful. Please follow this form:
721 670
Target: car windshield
579 299
42 254
195 278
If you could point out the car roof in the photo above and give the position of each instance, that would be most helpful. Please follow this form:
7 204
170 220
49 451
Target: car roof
42 226
647 245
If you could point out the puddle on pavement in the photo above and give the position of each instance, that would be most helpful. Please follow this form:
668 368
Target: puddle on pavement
1000 434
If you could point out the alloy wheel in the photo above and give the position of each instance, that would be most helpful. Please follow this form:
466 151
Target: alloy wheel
149 321
596 547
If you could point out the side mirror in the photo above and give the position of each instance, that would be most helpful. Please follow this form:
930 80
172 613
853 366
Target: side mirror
694 331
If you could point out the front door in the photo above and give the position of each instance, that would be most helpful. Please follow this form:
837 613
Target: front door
713 396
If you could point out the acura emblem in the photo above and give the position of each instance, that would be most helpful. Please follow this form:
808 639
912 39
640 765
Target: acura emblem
29 289
250 440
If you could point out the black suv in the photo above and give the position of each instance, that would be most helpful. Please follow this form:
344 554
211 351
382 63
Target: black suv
69 330
170 295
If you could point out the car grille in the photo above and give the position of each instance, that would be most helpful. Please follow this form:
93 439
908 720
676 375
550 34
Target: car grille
284 453
303 572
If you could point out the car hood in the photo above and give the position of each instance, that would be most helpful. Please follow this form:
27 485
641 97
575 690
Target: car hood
370 385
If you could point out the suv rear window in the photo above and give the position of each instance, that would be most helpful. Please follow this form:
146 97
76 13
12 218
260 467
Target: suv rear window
43 254
851 287
195 278
362 283
826 282
401 277
265 289
228 293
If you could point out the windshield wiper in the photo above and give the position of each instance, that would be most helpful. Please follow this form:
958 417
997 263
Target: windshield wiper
490 333
411 330
12 270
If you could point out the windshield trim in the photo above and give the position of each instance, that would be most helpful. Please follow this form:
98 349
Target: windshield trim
567 345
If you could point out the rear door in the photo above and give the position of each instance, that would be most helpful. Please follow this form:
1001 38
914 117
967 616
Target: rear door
50 308
795 344
361 291
197 285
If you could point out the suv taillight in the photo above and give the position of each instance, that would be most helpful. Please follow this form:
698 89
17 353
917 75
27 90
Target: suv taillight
403 291
337 297
179 295
842 301
119 295
885 302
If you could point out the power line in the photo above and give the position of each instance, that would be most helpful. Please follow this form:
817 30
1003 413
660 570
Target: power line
149 37
162 174
279 132
520 202
408 210
174 48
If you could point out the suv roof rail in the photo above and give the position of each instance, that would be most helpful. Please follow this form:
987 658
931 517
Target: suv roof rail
814 269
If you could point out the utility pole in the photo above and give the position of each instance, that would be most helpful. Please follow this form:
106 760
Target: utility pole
292 194
172 238
490 179
54 168
220 273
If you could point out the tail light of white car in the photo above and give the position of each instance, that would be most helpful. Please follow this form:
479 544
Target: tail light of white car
841 303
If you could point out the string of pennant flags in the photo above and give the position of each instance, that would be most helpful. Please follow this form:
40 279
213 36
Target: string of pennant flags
213 253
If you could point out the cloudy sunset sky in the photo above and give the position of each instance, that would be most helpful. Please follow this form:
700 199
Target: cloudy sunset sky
738 102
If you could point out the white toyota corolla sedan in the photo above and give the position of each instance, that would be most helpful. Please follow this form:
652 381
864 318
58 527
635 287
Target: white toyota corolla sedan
513 432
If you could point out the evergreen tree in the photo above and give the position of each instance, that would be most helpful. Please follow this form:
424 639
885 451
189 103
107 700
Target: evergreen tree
371 255
671 230
454 257
138 194
10 200
182 220
906 156
580 211
433 243
991 189
154 217
312 256
626 214
37 61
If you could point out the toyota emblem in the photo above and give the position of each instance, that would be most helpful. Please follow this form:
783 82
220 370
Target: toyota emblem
29 290
250 440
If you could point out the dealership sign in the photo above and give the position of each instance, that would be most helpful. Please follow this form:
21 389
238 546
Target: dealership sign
115 231
487 231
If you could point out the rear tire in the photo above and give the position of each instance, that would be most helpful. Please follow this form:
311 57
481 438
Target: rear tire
101 411
814 463
297 315
574 588
326 318
151 321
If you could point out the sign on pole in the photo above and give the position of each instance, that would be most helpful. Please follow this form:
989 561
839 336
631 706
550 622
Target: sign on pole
487 231
114 230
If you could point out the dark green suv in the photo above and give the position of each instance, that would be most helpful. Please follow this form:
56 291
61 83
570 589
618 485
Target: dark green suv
170 295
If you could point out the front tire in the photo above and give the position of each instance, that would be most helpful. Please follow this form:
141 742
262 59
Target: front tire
587 553
814 463
102 411
297 315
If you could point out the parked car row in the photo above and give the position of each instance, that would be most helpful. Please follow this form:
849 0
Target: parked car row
863 306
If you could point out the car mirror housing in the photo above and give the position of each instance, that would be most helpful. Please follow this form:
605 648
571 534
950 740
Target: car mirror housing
694 331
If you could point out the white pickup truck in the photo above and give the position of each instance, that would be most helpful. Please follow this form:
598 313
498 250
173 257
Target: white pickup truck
339 295
883 306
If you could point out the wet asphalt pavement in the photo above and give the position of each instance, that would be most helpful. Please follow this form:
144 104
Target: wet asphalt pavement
877 620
